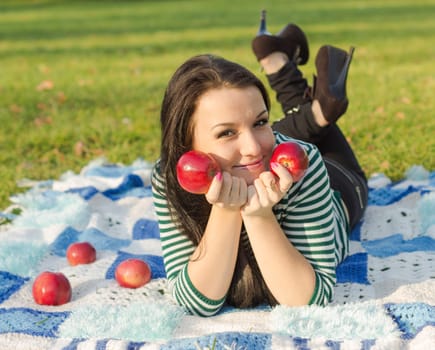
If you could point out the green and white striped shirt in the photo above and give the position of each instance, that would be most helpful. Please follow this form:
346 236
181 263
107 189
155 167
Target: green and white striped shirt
311 215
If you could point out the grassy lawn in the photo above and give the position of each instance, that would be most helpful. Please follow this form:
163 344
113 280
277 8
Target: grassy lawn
84 79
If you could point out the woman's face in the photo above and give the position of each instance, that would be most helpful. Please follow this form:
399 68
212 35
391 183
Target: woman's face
232 124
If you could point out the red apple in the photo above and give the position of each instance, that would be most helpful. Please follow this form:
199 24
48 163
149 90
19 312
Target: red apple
51 288
196 170
81 253
293 156
132 273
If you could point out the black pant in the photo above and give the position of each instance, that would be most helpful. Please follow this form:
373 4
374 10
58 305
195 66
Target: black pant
345 173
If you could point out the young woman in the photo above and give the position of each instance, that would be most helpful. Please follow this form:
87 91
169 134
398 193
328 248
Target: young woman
256 238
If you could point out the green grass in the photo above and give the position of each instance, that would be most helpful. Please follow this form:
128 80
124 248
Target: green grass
109 62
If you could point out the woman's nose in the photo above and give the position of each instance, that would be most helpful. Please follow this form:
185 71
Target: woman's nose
250 145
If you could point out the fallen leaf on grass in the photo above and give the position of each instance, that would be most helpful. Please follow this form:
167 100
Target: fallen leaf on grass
406 100
15 109
400 115
40 121
385 165
126 121
79 149
61 97
45 85
42 106
380 110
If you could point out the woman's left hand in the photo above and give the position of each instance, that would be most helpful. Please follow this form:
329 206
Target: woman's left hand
266 191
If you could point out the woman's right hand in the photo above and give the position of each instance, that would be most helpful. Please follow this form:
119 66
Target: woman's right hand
227 191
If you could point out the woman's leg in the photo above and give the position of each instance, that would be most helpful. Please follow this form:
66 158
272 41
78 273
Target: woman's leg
345 173
303 120
292 92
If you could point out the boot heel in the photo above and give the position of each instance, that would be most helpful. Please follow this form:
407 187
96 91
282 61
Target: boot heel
330 84
262 30
339 87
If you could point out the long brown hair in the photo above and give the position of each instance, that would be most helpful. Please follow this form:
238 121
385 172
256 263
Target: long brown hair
190 212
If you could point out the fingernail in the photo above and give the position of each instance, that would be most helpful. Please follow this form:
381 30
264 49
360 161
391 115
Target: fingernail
274 165
219 176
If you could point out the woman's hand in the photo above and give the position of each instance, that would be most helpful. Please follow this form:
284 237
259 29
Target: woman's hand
266 191
228 191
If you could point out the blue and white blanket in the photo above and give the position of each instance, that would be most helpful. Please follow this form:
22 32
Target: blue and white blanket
385 296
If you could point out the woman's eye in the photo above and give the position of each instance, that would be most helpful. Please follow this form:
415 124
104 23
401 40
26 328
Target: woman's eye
262 122
226 133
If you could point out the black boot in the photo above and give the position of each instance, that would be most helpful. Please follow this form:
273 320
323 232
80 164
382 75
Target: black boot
329 86
291 40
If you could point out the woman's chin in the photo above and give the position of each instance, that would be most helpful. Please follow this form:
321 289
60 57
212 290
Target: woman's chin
248 176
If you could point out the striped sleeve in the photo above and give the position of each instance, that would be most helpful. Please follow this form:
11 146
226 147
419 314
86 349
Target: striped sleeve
309 215
177 249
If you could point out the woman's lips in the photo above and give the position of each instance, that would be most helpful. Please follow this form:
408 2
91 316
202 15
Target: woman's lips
250 166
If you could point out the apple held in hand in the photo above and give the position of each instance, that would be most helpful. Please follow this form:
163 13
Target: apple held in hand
293 156
195 171
51 288
81 253
133 273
